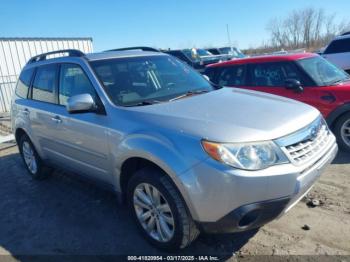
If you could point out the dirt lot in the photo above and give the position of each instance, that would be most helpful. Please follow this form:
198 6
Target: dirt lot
64 215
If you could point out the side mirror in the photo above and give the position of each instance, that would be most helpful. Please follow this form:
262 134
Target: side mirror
81 104
294 84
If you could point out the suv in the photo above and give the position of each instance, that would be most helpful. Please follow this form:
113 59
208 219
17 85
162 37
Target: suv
305 77
230 52
198 60
186 156
338 52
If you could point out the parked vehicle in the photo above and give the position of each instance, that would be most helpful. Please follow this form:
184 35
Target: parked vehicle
197 58
338 52
205 54
305 77
230 52
185 155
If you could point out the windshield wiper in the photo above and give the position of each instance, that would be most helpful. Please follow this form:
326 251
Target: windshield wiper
339 81
144 103
189 93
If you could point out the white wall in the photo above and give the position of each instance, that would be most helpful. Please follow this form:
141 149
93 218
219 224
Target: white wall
15 52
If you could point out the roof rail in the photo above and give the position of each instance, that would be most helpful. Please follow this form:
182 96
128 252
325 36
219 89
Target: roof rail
41 57
142 48
346 33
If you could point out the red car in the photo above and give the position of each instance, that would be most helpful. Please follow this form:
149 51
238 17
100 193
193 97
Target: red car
305 77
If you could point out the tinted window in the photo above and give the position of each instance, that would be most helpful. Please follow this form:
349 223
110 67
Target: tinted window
273 74
231 76
24 82
130 81
73 81
211 73
214 51
45 84
338 46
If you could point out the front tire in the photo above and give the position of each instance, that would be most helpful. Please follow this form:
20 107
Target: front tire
32 161
159 210
342 131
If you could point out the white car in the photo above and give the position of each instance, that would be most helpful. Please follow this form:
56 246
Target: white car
338 52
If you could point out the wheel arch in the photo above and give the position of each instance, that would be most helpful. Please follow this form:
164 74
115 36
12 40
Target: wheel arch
142 150
19 132
336 113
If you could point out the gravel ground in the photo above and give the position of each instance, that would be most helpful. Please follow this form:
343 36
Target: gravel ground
64 215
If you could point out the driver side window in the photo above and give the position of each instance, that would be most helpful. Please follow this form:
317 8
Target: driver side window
73 81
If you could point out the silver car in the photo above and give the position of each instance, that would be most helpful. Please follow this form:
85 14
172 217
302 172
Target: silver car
185 155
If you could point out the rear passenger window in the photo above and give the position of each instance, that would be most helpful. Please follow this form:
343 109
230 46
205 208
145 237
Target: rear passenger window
231 76
338 46
73 81
44 84
273 74
24 82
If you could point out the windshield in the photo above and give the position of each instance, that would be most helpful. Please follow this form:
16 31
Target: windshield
226 50
235 52
135 80
202 52
196 54
322 72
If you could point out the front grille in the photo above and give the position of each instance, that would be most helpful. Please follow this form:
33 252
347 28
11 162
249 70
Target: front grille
307 143
302 151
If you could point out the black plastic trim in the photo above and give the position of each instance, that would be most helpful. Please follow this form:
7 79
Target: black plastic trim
336 113
142 48
267 211
41 57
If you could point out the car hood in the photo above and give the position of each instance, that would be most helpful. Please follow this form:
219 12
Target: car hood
230 115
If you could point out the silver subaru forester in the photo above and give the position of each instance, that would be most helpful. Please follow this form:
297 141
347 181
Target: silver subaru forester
186 155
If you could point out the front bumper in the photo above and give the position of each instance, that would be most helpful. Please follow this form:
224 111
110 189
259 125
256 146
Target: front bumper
223 199
247 217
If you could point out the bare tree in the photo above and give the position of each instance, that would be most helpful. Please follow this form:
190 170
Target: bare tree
306 28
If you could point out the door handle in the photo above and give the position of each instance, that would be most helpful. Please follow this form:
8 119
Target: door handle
329 97
56 119
26 111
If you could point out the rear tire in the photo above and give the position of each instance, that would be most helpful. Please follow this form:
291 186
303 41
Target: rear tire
32 161
181 230
342 131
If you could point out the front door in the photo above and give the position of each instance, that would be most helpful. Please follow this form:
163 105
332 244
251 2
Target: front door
81 140
271 78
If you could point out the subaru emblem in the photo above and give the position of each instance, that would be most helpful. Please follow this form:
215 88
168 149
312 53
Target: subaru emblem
313 132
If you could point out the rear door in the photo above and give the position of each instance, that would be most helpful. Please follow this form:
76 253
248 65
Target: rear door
42 108
232 76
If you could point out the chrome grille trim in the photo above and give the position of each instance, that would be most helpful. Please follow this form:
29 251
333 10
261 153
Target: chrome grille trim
307 143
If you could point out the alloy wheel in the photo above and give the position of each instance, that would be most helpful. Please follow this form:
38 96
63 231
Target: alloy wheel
153 212
29 157
345 132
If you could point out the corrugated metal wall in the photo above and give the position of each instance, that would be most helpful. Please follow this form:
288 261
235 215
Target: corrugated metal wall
15 52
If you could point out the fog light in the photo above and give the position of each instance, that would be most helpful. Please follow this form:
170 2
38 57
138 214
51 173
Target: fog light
249 218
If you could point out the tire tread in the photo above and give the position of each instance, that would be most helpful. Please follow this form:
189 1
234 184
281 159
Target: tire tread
190 230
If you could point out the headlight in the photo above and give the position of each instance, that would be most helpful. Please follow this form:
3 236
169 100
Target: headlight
249 156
